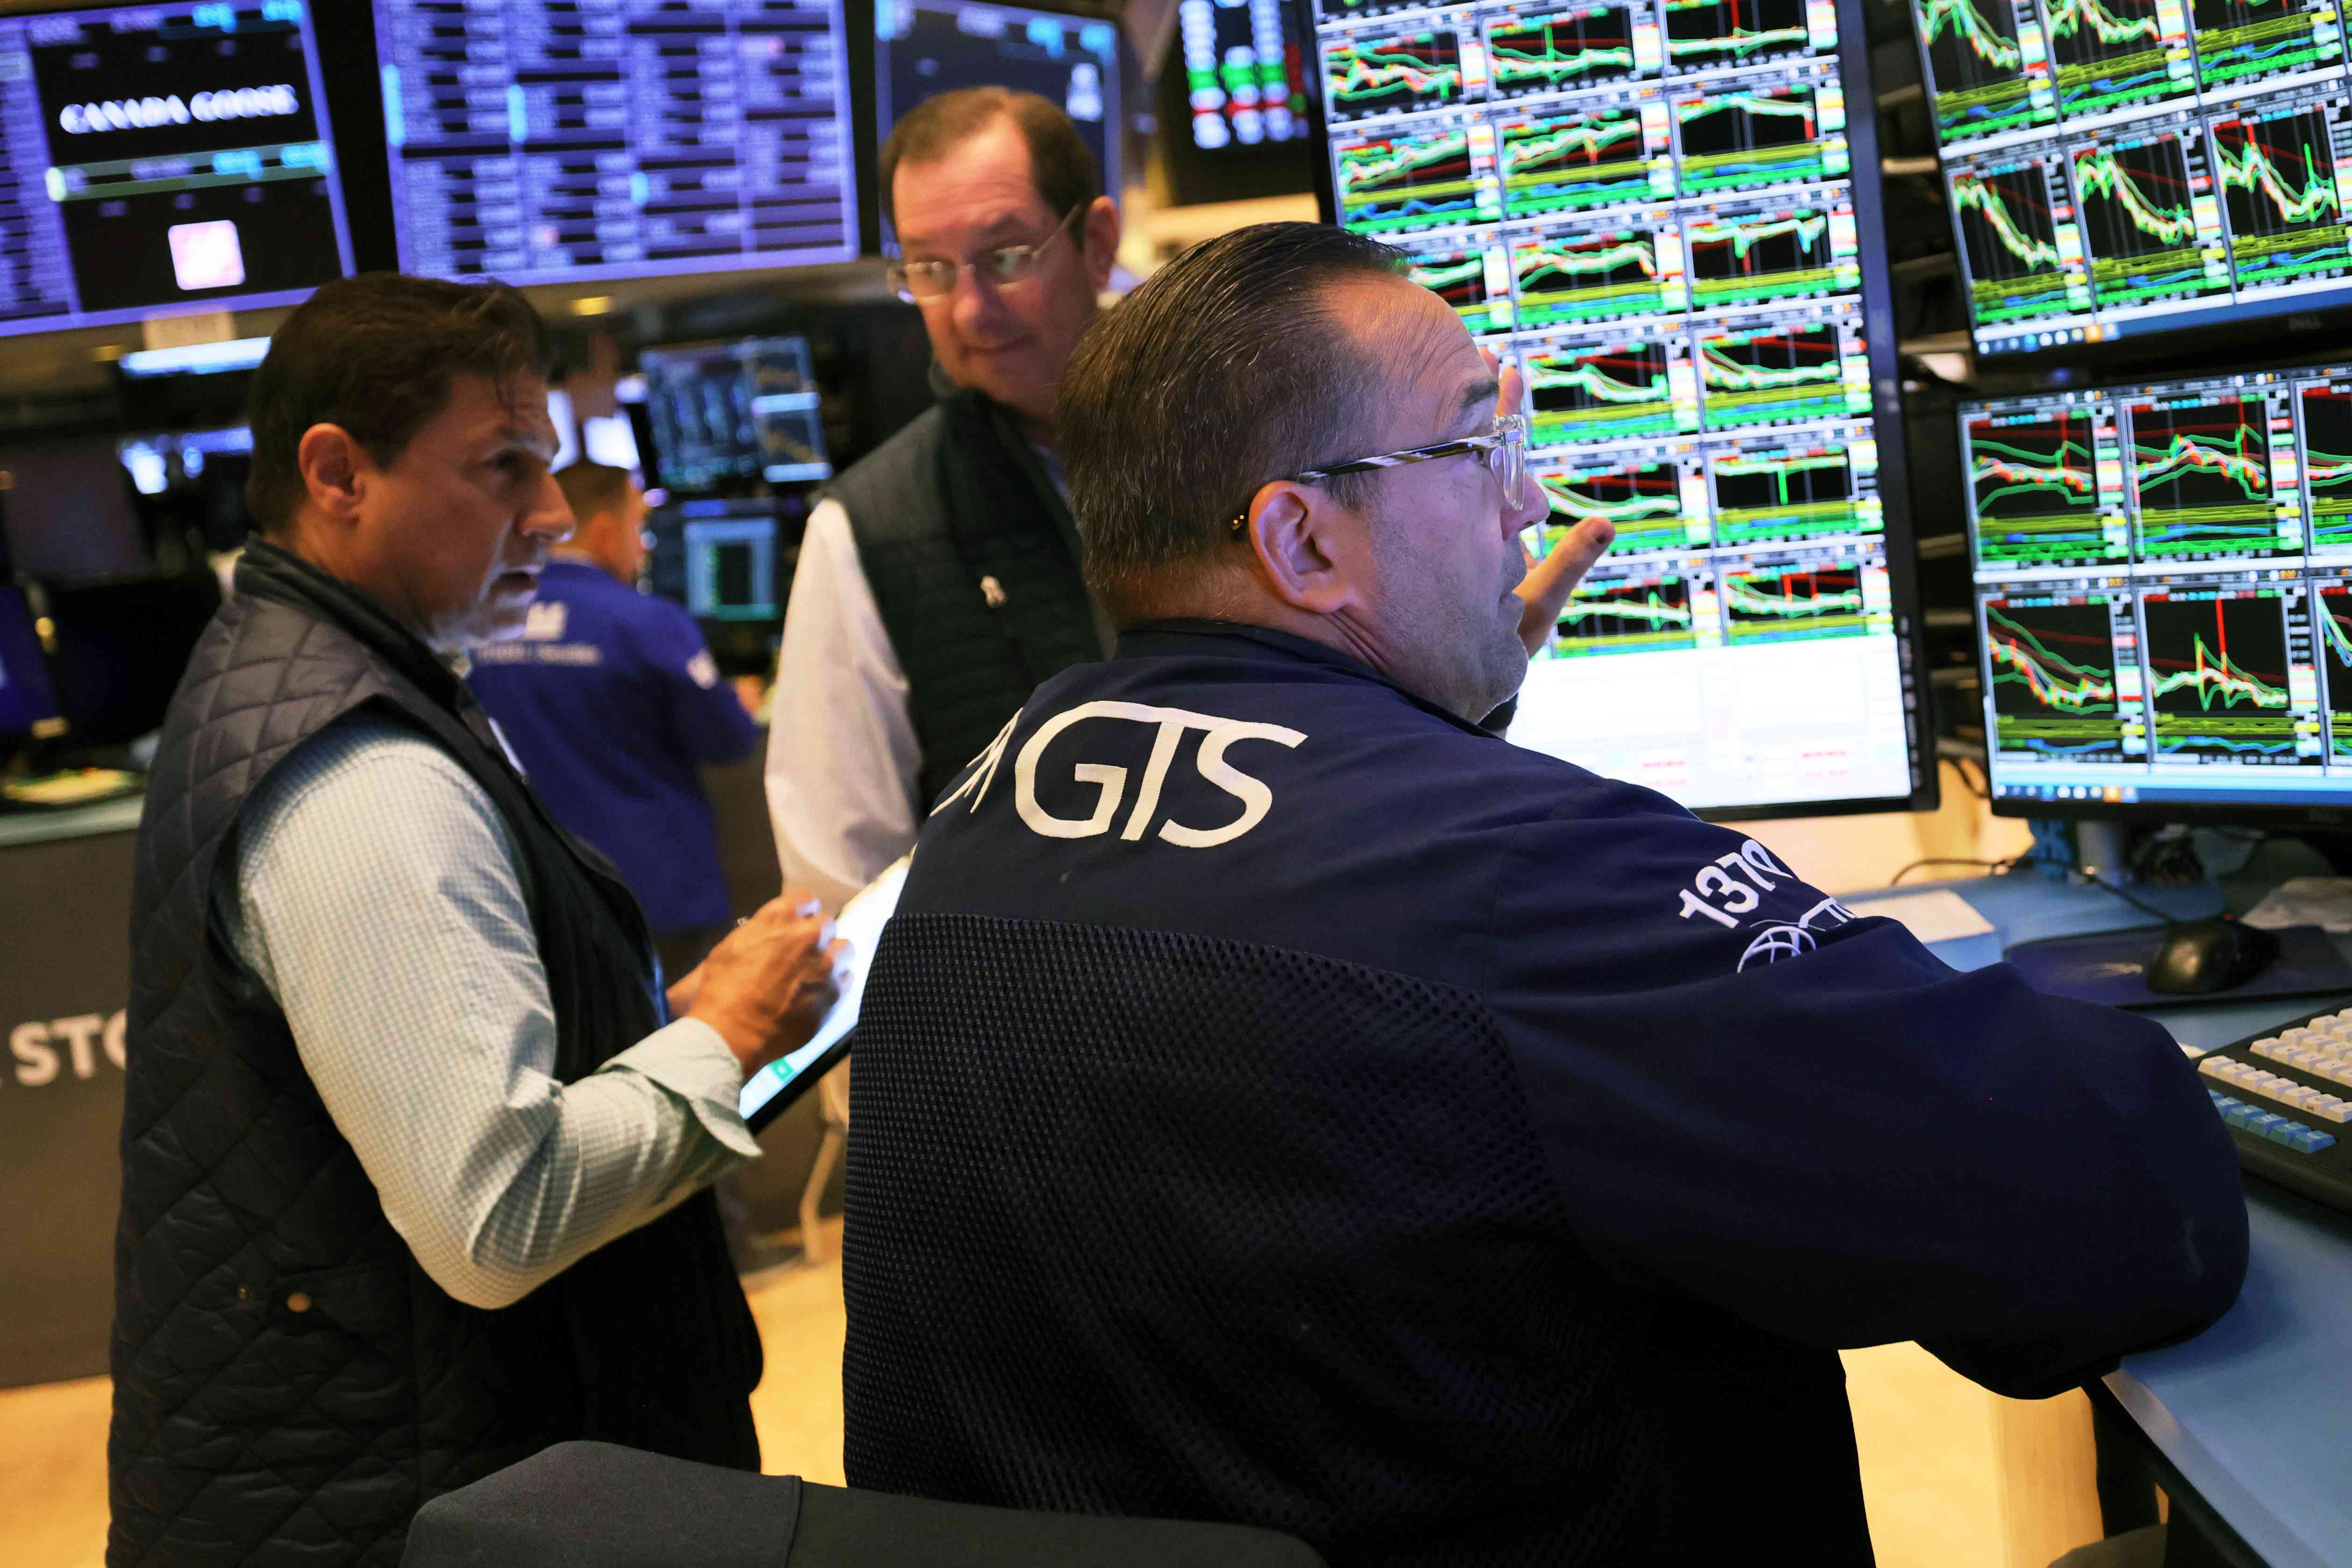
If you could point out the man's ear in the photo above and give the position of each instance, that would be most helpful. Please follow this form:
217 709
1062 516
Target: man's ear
1308 547
1102 229
335 470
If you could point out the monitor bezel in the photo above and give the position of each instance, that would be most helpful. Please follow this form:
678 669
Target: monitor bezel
1886 414
340 197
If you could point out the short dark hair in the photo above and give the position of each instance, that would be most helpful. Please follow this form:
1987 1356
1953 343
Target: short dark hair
1223 369
1060 166
592 487
376 354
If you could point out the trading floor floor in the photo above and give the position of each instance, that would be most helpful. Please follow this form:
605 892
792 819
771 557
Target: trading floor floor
1954 1477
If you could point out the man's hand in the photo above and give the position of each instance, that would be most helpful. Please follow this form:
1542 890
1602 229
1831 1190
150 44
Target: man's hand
770 984
1550 580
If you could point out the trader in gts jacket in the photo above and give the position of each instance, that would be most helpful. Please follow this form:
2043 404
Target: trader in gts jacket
1280 1101
611 700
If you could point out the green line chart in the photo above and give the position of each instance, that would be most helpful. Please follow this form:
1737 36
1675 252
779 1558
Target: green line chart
1789 495
2216 668
1807 601
2332 616
1605 391
2114 53
2033 482
2201 481
1737 138
1555 49
1980 81
2140 224
1567 279
1645 500
2277 179
1365 75
2244 41
1594 158
2052 669
1755 258
1625 615
2325 413
1703 35
1774 372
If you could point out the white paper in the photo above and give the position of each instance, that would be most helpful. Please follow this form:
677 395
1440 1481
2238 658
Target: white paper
2322 901
1934 917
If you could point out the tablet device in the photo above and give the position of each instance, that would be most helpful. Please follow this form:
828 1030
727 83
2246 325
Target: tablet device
767 1091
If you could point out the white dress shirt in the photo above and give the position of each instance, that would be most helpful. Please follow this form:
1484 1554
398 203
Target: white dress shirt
376 899
842 759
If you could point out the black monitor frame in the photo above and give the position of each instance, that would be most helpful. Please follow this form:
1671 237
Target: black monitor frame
1886 410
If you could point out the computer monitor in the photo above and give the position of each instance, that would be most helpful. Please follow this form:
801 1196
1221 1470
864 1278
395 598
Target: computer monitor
2141 166
547 141
1244 73
122 648
2163 582
193 481
732 413
1667 218
164 159
28 705
924 47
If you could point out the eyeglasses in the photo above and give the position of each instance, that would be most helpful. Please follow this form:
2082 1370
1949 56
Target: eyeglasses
1507 457
1000 267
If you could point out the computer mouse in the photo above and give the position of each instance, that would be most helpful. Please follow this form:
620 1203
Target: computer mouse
2198 958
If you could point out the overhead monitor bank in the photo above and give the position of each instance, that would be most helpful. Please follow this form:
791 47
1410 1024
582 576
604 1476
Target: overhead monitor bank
164 158
546 142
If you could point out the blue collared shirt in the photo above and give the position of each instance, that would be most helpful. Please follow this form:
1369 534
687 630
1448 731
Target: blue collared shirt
610 700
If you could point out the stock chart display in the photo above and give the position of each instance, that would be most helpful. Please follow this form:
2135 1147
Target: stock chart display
1649 206
2123 166
548 141
2164 589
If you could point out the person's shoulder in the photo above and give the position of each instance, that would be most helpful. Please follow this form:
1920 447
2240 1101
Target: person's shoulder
893 488
366 770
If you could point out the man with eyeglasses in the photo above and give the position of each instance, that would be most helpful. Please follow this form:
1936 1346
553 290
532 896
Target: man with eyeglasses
937 582
1281 1101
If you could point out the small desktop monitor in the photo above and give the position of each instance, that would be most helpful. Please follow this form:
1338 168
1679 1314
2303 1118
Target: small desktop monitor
28 705
2163 594
1668 218
728 415
924 47
2130 168
550 141
164 159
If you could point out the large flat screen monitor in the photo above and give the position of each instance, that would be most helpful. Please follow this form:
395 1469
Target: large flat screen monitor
158 160
557 142
2116 168
924 47
2163 580
1665 215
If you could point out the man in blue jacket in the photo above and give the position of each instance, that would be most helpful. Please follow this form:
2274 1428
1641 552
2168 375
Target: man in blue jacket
1281 1101
610 700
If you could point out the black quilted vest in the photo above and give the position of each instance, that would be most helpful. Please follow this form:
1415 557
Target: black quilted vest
948 506
289 1387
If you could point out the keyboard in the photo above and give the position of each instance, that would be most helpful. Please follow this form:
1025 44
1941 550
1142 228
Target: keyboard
2286 1096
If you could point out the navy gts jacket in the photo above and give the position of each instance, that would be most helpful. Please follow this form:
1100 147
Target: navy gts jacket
1281 1102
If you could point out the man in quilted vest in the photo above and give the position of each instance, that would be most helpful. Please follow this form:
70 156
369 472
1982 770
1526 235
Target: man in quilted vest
416 1144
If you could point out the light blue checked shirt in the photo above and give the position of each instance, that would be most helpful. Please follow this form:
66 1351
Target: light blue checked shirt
377 898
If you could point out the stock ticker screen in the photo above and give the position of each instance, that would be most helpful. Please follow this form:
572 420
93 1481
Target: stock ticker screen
2164 590
2116 167
1650 205
157 159
1242 72
560 140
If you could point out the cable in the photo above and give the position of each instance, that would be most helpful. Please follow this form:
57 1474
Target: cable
1995 868
2144 908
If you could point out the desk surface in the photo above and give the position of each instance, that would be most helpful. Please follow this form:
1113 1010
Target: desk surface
2253 1412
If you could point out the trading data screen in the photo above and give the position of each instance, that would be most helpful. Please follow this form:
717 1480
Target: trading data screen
2123 166
1242 72
924 47
1650 206
163 158
725 414
553 140
2164 590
